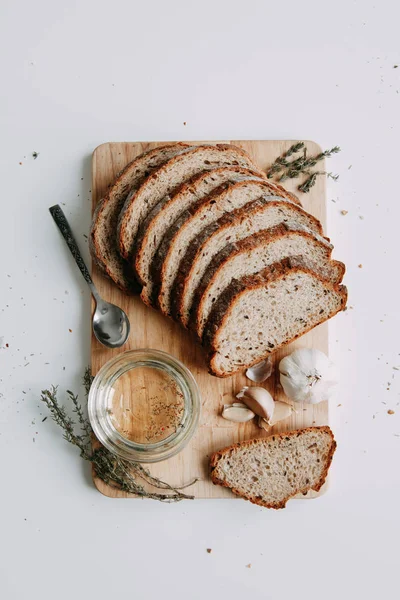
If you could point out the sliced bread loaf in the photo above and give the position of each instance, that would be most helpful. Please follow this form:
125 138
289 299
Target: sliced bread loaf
166 180
102 238
188 226
263 213
258 314
168 210
253 254
269 471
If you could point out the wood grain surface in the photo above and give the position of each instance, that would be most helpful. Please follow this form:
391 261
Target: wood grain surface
149 329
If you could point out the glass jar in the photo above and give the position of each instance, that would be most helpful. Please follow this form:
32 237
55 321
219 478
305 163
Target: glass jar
144 405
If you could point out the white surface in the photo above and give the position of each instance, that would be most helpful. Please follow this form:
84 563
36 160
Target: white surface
76 74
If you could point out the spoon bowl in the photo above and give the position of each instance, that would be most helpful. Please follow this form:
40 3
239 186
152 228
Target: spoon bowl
110 325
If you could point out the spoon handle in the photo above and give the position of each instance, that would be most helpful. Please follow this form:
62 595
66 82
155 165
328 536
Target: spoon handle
63 225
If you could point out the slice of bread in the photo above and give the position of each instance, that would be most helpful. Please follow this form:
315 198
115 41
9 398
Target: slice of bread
258 314
168 210
251 255
167 180
269 471
184 232
263 213
102 238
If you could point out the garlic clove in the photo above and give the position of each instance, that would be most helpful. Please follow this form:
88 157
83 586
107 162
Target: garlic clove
282 411
263 424
238 413
261 371
258 400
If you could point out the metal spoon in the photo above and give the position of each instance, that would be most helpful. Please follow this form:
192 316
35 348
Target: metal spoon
110 323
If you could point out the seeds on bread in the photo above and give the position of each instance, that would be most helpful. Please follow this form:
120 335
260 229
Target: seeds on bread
253 254
269 471
103 232
184 232
258 314
263 213
166 180
168 210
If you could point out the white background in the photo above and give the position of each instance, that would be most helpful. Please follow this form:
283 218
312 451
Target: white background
75 74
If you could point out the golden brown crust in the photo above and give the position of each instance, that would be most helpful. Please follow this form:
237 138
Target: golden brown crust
131 286
223 306
124 215
165 248
215 458
188 262
255 240
145 231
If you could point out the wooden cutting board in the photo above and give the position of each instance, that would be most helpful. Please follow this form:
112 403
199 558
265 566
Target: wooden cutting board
149 329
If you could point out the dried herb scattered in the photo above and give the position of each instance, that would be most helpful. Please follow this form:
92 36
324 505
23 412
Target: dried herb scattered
291 169
303 164
310 182
35 155
281 162
114 471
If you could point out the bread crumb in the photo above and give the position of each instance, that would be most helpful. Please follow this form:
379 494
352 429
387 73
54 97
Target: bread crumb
70 330
209 550
248 566
339 405
20 163
344 212
184 122
390 412
360 266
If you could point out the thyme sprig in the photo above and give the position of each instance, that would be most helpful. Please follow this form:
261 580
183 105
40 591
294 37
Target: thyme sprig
291 169
281 162
310 181
114 471
303 164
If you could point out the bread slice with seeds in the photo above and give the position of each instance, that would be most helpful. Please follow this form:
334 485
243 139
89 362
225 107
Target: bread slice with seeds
269 471
253 254
263 213
166 180
103 232
168 210
258 314
183 233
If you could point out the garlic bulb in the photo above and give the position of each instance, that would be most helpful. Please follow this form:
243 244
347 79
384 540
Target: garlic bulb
237 412
258 400
261 371
307 375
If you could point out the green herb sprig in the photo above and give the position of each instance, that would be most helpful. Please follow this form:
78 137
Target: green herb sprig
291 169
303 164
281 163
114 471
311 181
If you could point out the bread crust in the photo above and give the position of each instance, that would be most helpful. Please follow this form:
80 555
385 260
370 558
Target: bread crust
216 457
123 221
188 263
165 249
222 308
130 286
145 232
255 240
